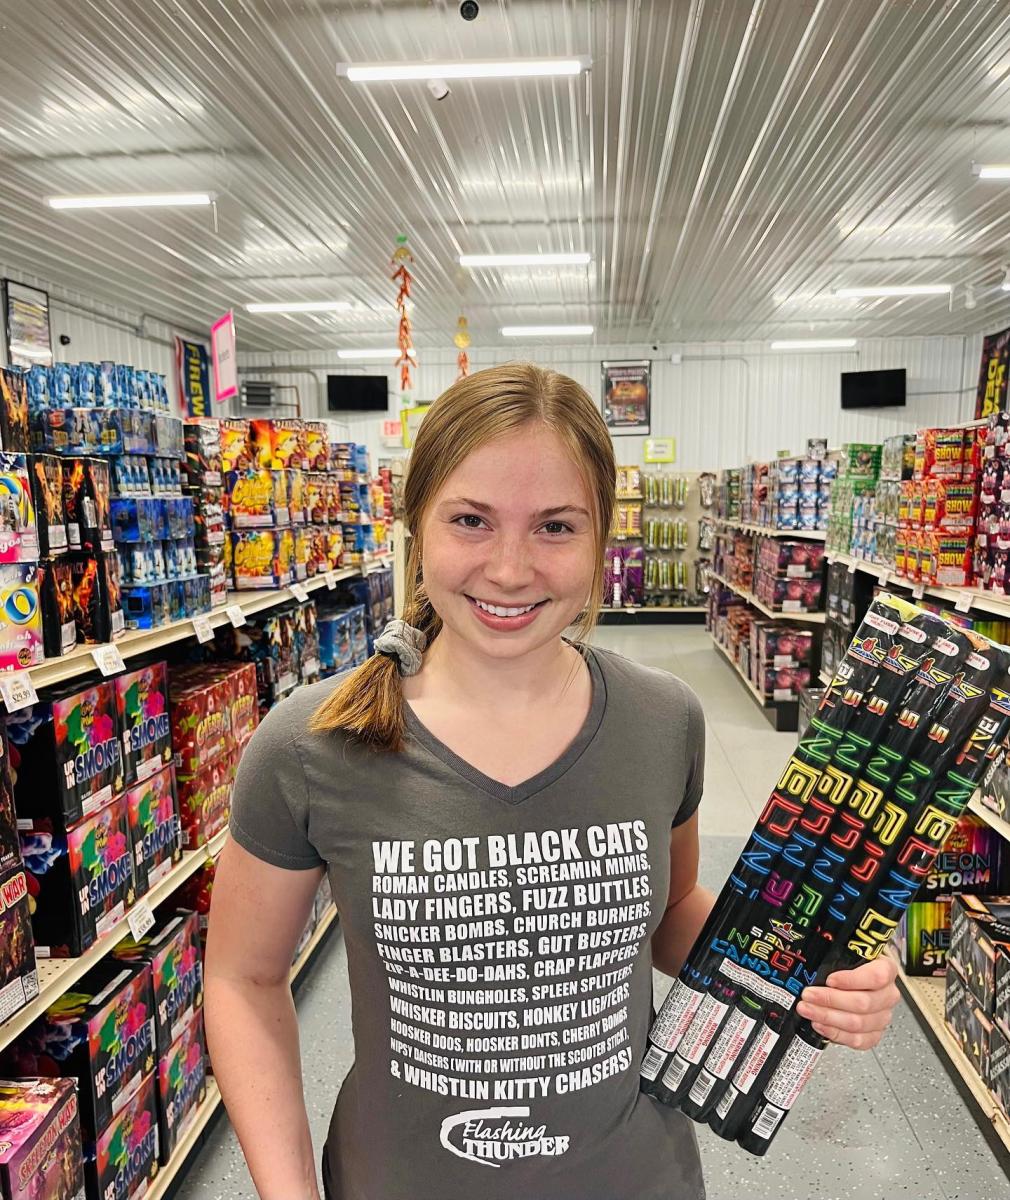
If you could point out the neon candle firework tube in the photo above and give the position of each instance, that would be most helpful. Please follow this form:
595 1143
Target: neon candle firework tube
800 811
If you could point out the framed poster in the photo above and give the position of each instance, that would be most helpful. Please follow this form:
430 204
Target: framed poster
627 396
991 395
26 325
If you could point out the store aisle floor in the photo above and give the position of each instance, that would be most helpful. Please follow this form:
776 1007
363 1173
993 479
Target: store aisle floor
869 1126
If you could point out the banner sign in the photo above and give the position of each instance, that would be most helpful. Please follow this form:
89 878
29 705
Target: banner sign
627 396
991 396
194 377
27 325
222 348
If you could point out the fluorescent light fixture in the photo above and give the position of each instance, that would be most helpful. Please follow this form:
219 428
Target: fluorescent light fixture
547 331
914 289
301 306
525 260
392 353
991 170
500 68
815 344
158 200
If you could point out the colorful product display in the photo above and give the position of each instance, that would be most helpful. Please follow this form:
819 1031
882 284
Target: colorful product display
182 1084
21 641
124 1160
19 977
142 711
172 948
155 829
40 1140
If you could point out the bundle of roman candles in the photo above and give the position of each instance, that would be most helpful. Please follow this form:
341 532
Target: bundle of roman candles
916 712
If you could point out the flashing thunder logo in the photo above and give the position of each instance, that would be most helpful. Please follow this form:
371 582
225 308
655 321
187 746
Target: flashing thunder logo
93 736
490 1136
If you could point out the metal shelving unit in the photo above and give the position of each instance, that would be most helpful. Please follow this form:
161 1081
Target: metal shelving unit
961 597
782 715
801 618
805 535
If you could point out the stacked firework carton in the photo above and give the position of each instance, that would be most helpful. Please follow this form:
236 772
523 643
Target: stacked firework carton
916 712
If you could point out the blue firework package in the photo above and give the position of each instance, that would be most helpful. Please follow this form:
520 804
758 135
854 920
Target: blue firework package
21 643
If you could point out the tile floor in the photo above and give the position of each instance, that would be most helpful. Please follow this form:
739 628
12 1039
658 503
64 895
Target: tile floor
872 1126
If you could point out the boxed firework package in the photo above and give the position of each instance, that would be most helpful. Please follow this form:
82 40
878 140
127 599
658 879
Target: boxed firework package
100 1034
19 978
336 652
967 1021
200 709
182 1084
65 756
980 951
142 709
97 597
81 881
317 446
21 640
999 1068
236 452
155 832
923 937
124 1159
19 539
307 642
202 439
15 432
243 714
56 594
40 1140
205 800
172 947
278 443
257 499
47 489
995 790
195 894
268 642
261 558
87 501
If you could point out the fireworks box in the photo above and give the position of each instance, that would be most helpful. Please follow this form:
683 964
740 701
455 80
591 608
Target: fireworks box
257 498
777 646
269 643
87 504
307 642
202 440
10 850
47 491
974 859
967 1021
999 1068
155 830
946 557
172 947
942 453
40 1140
995 790
65 756
195 894
948 504
205 800
336 653
809 699
980 950
19 978
139 519
15 432
19 539
82 881
366 593
243 713
279 443
182 1084
97 597
100 1034
783 683
261 558
131 476
317 446
56 596
236 451
200 705
123 1161
315 498
792 560
142 709
787 595
21 636
923 937
300 553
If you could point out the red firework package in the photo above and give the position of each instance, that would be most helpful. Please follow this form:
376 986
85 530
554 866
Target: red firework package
236 452
200 701
205 800
124 1159
40 1140
317 446
948 504
172 947
794 560
784 683
19 978
777 646
788 595
81 882
182 1084
142 708
946 557
942 453
97 597
155 831
278 443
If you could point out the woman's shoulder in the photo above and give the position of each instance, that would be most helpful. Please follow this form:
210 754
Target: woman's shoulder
643 685
286 725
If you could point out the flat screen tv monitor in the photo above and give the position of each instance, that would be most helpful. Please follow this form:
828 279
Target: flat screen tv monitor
357 393
873 389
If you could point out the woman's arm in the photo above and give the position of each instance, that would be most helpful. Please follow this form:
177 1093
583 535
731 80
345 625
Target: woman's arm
257 914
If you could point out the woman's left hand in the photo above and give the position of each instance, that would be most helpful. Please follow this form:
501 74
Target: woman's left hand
855 1007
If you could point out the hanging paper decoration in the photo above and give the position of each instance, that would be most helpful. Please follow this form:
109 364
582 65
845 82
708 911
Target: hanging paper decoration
462 340
403 279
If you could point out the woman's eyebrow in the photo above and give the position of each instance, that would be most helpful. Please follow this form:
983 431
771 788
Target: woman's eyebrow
544 513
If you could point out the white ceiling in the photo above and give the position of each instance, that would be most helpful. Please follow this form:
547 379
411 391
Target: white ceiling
728 163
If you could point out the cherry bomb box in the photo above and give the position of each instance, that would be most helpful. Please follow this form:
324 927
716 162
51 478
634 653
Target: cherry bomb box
65 757
40 1140
205 800
155 829
172 947
200 704
100 1034
123 1161
182 1084
19 977
81 881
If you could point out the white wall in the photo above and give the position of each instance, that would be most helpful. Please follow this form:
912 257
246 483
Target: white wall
725 403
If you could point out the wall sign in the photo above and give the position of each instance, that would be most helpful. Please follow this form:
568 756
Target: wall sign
26 325
627 396
222 349
193 365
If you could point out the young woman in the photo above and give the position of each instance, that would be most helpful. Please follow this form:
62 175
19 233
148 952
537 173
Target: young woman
508 820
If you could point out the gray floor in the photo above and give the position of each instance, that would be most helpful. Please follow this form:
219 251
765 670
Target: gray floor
871 1126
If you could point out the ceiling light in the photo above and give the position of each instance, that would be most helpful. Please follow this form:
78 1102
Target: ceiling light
816 344
160 200
991 170
524 260
503 68
547 331
392 353
915 289
1005 285
301 306
969 297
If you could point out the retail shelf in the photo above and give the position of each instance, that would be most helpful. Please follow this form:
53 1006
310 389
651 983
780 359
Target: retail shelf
963 597
806 535
782 715
56 975
992 819
925 997
653 614
802 618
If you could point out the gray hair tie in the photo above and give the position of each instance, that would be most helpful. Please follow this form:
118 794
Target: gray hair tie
405 644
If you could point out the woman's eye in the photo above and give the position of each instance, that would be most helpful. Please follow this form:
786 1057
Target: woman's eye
470 521
557 527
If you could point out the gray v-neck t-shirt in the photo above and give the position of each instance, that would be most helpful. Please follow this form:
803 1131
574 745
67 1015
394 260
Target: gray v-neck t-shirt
497 945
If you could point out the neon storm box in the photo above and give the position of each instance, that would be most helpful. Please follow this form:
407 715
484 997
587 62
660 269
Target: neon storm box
172 947
142 709
923 937
65 757
980 950
19 978
100 1034
81 881
124 1160
182 1084
974 859
40 1140
155 831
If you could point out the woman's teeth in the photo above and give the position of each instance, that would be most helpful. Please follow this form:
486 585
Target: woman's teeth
496 610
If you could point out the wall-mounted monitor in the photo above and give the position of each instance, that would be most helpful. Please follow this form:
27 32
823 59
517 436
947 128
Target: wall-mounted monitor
357 393
873 389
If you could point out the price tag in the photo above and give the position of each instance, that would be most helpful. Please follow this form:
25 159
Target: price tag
140 919
331 579
236 615
963 602
17 690
852 568
918 591
108 659
203 629
300 592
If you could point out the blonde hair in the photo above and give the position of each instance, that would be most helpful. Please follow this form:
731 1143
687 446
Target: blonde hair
474 411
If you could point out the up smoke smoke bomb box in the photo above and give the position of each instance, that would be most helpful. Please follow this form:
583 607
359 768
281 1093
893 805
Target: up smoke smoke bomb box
81 881
172 947
40 1140
124 1160
155 832
142 707
65 757
182 1084
100 1034
21 643
19 979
